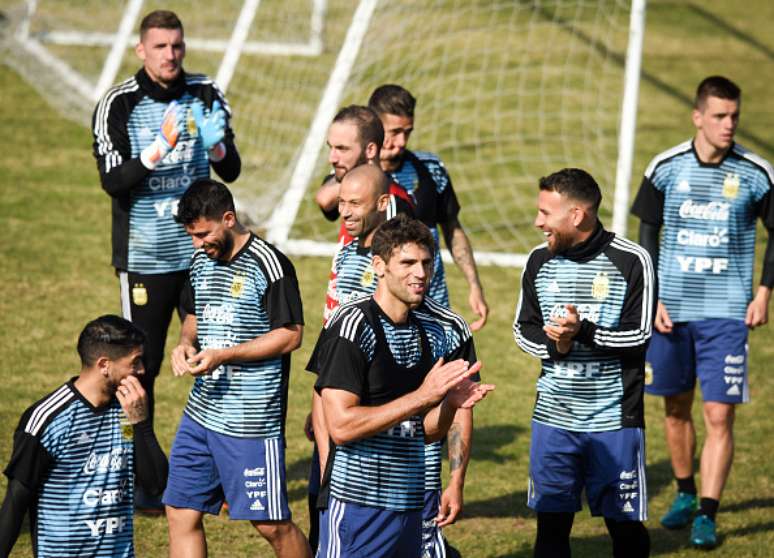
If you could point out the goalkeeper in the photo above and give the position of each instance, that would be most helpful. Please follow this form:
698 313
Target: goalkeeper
154 135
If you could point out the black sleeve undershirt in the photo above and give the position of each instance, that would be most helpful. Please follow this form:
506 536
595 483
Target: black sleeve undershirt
150 463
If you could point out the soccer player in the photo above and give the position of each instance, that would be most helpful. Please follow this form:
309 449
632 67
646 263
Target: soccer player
244 318
77 450
154 135
706 194
424 176
354 138
586 311
362 203
392 368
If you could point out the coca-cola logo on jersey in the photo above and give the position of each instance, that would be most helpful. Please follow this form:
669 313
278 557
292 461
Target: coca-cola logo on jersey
712 211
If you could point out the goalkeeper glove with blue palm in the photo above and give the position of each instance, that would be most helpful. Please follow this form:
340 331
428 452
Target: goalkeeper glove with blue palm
212 129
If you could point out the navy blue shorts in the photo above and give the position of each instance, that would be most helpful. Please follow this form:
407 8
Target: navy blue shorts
206 466
713 350
609 465
350 530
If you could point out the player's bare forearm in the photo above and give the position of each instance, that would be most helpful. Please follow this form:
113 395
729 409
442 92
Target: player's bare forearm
348 421
188 331
327 196
459 440
438 421
462 252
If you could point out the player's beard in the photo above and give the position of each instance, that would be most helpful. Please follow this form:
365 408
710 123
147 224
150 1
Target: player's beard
220 249
561 242
362 160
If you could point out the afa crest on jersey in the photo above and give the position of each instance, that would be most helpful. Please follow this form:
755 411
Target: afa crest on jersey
367 279
600 286
731 186
237 286
139 294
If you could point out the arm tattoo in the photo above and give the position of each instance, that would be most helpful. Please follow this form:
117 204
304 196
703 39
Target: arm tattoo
456 447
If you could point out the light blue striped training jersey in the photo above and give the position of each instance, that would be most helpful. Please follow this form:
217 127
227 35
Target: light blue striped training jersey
362 351
235 302
708 212
79 461
597 386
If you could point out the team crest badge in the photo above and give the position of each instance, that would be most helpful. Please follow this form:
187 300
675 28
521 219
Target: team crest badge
368 277
127 430
600 286
139 294
648 374
731 186
237 286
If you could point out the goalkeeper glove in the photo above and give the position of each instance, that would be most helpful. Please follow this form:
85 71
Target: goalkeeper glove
171 125
212 129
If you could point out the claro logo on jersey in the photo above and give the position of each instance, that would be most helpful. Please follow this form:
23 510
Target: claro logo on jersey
93 497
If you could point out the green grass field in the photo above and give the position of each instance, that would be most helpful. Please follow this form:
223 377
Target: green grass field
57 276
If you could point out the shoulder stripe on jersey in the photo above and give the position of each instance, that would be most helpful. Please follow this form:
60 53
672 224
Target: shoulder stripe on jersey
46 407
665 155
104 143
342 309
392 209
350 324
633 337
441 310
269 259
756 160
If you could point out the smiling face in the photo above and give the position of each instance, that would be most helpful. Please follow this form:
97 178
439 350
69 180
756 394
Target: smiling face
361 205
345 152
406 276
214 237
558 217
716 122
162 51
397 130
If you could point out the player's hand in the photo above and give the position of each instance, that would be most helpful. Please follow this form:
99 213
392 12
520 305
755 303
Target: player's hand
180 356
663 323
171 126
444 376
205 362
133 399
564 330
451 505
467 393
309 428
212 128
479 307
758 309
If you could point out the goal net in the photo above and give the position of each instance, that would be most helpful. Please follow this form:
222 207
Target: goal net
507 92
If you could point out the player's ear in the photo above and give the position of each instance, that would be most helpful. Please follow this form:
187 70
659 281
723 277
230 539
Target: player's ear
696 117
229 219
379 265
383 202
139 50
371 151
103 365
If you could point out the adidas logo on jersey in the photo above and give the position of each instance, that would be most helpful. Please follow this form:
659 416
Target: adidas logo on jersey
733 390
553 287
84 438
627 507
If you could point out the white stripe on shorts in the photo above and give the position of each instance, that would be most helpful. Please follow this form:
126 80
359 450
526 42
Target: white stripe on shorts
643 511
126 301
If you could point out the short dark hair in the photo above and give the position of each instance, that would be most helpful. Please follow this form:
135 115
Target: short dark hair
369 127
205 198
110 336
398 231
392 99
575 184
716 86
160 19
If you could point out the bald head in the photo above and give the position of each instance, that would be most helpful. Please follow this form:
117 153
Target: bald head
363 198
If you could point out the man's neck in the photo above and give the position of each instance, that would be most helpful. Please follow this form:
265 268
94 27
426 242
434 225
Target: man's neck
93 387
241 236
708 153
396 309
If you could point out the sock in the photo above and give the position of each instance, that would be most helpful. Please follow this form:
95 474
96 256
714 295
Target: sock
708 507
686 485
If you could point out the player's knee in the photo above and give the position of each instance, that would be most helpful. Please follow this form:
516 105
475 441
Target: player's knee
182 520
274 531
719 417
